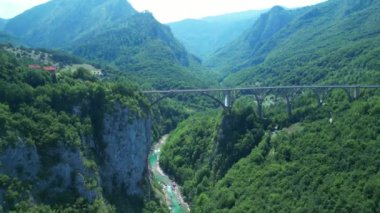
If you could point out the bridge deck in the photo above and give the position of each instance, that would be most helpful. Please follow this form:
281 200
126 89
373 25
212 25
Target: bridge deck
259 88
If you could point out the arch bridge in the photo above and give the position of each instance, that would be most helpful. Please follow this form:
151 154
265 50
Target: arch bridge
226 96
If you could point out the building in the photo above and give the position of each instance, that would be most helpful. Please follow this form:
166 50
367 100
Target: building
50 68
34 66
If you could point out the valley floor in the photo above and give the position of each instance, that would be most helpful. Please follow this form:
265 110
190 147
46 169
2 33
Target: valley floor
172 194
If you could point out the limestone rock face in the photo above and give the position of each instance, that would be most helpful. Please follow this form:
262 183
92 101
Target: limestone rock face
23 162
20 160
127 142
68 172
57 170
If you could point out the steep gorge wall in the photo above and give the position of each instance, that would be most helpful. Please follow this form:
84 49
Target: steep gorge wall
127 141
60 172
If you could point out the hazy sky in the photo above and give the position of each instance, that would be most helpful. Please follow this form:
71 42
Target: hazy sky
172 10
11 8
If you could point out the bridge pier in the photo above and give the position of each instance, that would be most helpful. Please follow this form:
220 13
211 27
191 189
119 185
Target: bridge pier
225 96
260 97
289 94
320 94
356 92
289 101
227 99
221 100
260 108
353 93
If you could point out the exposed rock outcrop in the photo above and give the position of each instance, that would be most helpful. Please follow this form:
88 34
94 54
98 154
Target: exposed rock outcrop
127 141
54 171
20 160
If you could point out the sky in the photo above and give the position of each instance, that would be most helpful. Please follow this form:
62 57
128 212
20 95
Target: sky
11 8
173 10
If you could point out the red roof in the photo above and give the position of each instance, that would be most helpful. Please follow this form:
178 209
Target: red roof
50 68
34 66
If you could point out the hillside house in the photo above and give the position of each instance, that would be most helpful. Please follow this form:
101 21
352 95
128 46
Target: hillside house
34 67
50 68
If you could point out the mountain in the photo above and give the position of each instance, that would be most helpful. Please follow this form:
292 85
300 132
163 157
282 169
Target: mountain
8 39
204 36
61 137
144 47
233 162
56 23
252 42
2 23
333 42
111 33
321 159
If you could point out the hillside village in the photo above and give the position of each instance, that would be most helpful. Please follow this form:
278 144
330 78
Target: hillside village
48 61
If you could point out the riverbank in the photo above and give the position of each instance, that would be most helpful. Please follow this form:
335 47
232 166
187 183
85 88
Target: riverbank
172 193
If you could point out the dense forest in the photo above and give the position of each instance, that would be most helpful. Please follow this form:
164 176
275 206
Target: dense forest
113 34
50 112
325 156
235 162
72 140
203 37
336 42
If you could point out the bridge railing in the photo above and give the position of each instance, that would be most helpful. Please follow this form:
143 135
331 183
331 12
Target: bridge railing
260 88
288 92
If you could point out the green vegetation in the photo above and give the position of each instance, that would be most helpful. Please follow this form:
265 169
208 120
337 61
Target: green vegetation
114 36
49 113
204 36
323 158
314 165
58 23
2 23
336 42
188 147
8 39
144 50
195 161
170 111
322 167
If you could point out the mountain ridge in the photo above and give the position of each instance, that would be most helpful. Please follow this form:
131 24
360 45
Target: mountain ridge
111 33
3 22
252 41
203 36
54 17
143 47
329 40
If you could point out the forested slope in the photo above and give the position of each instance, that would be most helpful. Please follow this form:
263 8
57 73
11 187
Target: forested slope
313 165
57 141
332 42
2 23
251 48
322 158
58 23
145 49
5 38
111 33
204 36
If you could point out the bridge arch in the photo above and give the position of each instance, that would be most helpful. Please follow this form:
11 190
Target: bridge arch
287 92
171 94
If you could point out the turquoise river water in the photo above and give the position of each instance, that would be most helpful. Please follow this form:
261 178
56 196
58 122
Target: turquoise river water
173 197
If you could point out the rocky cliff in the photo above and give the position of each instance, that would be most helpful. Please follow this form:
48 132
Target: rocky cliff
127 144
60 173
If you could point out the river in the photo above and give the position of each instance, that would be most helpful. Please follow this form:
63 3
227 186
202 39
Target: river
173 195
